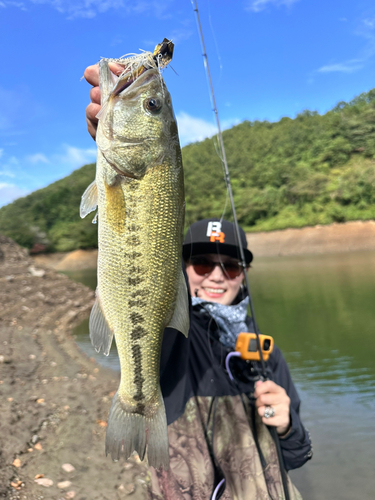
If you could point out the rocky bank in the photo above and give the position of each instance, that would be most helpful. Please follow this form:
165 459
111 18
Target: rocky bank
54 400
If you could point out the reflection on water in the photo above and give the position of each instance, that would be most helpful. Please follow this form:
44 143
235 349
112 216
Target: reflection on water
83 340
88 278
85 276
320 311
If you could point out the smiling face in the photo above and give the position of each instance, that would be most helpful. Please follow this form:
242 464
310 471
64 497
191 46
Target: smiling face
216 285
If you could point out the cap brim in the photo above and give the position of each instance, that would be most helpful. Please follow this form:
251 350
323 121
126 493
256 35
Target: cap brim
191 249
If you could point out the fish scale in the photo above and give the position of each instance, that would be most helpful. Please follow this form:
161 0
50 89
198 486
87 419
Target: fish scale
141 290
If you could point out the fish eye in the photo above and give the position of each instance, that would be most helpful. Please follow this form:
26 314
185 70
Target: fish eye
153 105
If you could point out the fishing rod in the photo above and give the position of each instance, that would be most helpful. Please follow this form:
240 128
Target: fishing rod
229 186
242 254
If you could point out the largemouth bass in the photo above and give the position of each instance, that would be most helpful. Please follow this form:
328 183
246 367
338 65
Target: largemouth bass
139 192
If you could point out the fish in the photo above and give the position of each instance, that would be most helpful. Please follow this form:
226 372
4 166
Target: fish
139 195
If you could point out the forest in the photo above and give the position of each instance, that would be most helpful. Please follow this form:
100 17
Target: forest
313 169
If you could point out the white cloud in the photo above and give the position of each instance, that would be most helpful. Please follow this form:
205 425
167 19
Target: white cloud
10 192
229 123
370 23
117 40
6 173
179 35
192 129
19 5
8 165
346 67
37 158
365 28
34 171
183 32
91 8
259 5
75 157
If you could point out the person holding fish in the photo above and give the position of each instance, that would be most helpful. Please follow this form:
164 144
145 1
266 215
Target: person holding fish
219 445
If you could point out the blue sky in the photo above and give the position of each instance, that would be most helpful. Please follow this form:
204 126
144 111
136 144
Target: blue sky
269 58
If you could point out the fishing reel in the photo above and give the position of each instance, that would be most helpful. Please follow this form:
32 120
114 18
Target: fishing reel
247 349
247 346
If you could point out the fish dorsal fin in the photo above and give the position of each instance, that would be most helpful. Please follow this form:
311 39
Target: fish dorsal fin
180 319
89 200
101 335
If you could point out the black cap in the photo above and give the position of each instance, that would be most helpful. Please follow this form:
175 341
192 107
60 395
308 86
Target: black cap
214 236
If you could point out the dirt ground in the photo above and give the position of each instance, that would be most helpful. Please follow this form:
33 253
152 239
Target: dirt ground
54 400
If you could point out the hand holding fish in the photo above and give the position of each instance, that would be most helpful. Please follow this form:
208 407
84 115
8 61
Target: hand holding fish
269 394
92 77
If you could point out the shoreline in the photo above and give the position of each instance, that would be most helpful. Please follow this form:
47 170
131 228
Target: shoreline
352 236
316 240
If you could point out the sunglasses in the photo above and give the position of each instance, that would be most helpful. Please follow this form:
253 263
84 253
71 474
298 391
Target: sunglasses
203 267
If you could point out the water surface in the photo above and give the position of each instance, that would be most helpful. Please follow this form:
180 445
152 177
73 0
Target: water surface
320 311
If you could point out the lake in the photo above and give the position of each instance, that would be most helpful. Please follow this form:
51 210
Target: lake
320 310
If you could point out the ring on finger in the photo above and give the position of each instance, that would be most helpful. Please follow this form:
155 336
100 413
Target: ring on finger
269 412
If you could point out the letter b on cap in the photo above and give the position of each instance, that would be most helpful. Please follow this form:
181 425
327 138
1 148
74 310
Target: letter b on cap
214 231
213 227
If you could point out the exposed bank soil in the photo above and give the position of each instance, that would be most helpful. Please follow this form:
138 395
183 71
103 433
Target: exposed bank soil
54 400
68 261
347 237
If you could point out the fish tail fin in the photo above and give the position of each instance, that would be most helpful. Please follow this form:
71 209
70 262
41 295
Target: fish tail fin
158 445
128 432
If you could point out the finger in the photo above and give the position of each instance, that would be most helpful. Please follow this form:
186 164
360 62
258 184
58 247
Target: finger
271 399
91 75
279 422
267 386
116 69
91 111
281 419
95 95
92 122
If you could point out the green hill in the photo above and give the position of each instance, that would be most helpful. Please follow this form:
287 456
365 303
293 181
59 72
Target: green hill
314 169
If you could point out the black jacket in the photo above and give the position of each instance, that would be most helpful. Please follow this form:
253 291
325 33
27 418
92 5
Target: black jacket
196 367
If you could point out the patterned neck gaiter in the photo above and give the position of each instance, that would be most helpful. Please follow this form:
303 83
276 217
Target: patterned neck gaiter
231 320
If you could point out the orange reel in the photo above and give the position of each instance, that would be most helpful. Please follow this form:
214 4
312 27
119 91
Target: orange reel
247 346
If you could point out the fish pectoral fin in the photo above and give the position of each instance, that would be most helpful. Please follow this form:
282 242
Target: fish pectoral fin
89 200
180 320
101 335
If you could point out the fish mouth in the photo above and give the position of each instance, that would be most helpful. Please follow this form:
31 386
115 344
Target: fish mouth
127 79
131 79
